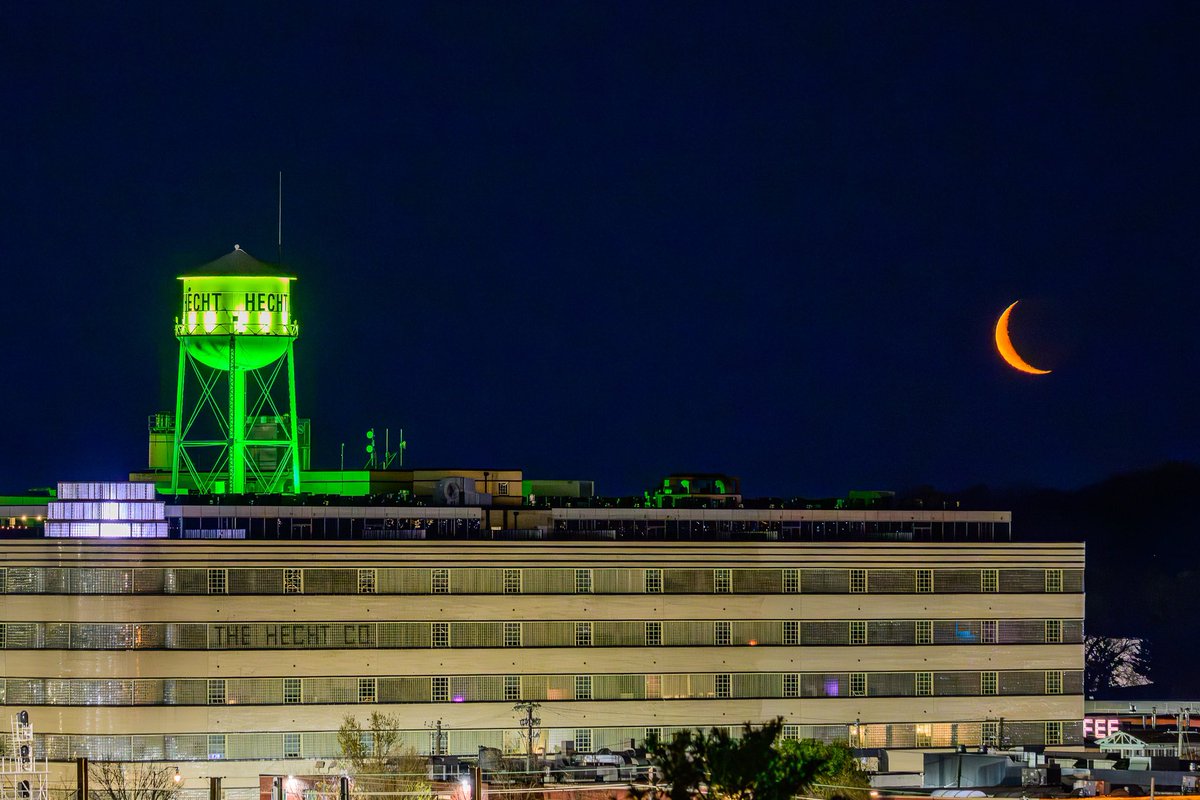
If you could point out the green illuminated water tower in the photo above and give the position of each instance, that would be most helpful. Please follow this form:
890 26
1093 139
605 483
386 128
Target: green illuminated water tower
236 335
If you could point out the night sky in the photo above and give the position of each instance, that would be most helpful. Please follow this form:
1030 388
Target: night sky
617 240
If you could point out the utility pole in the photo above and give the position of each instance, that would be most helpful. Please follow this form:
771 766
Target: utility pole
529 721
438 742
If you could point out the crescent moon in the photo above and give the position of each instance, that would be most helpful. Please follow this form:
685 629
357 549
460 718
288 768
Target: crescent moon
1007 351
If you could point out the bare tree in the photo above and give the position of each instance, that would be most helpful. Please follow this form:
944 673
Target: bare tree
114 780
1115 662
373 757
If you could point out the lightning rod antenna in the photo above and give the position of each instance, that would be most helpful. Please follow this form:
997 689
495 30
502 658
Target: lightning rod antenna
279 229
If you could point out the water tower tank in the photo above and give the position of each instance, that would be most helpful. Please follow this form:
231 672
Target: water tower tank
237 300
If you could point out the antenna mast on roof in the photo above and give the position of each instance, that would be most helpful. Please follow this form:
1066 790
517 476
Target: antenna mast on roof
279 229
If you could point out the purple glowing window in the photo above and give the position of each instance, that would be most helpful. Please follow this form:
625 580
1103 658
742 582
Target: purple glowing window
832 687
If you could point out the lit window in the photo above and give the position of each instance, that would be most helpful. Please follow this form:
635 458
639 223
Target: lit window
216 691
724 684
858 684
293 581
924 581
583 687
512 687
216 745
924 734
653 634
990 734
367 690
722 581
924 631
512 634
1054 581
858 631
654 581
924 684
440 690
292 688
987 683
989 580
1054 630
989 631
441 634
583 581
218 581
291 745
441 581
791 631
858 581
722 632
512 581
502 487
1054 733
366 581
583 740
654 687
791 581
791 684
1054 682
791 733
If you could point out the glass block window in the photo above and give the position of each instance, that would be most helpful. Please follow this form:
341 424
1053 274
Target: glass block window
654 581
858 684
924 684
216 691
924 631
791 631
990 734
293 581
989 580
583 581
1054 581
1054 630
292 689
791 581
583 634
368 690
291 745
512 687
583 687
722 581
987 683
924 581
439 689
988 631
512 634
440 635
440 581
216 745
653 634
724 684
1054 682
512 581
583 740
218 581
858 631
366 581
858 581
722 632
1054 733
791 684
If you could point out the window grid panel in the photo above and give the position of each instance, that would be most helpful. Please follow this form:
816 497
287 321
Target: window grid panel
653 581
1054 733
858 684
990 733
218 581
293 689
858 631
512 687
583 581
722 632
987 631
583 634
924 631
858 581
791 631
723 683
791 684
791 581
583 687
512 634
924 684
440 634
439 581
368 690
1054 580
924 581
1054 630
722 581
989 580
293 581
291 745
216 691
1054 682
512 581
987 683
367 581
440 689
654 634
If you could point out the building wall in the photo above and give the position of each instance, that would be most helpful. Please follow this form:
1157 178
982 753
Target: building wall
188 651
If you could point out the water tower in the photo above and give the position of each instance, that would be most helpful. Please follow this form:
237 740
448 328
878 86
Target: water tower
236 332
